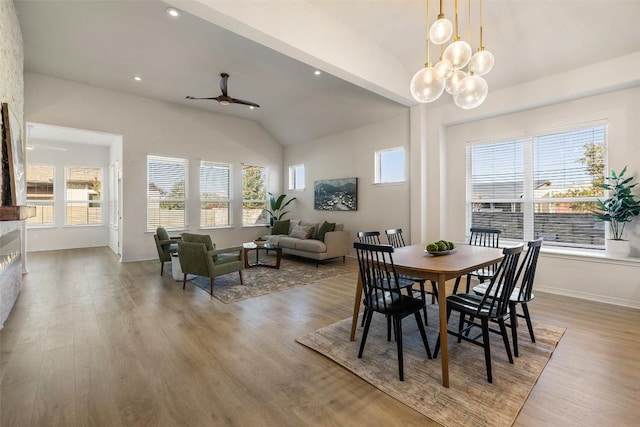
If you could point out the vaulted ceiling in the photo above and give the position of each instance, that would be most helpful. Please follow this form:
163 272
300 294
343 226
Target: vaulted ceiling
367 51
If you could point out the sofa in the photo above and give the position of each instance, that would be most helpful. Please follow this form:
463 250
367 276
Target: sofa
318 241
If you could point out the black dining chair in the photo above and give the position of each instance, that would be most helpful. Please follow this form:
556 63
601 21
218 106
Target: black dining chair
522 294
382 294
486 308
487 237
395 239
373 238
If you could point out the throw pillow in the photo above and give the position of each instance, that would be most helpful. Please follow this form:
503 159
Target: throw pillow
301 231
325 228
280 227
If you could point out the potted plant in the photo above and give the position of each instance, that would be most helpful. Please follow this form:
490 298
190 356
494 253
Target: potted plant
277 205
620 208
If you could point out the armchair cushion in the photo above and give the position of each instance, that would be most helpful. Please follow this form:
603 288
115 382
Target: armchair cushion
162 234
199 238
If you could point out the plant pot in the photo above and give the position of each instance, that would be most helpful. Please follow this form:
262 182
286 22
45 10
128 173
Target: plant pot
618 248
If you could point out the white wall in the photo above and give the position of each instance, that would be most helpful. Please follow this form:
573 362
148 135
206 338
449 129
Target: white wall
351 154
155 127
60 236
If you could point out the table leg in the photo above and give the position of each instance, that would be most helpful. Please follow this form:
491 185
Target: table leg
356 309
444 348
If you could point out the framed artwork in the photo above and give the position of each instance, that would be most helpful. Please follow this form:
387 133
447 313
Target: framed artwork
336 194
13 185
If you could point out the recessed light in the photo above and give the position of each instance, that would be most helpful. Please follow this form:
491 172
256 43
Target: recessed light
317 72
172 11
251 107
137 78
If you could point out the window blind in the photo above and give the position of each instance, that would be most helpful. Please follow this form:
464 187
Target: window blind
215 194
166 192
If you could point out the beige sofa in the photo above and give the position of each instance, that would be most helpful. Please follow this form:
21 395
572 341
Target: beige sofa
335 244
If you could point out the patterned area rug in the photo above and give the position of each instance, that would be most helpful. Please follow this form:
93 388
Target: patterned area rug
470 400
262 281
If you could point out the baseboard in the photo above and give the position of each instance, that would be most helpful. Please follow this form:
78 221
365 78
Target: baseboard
588 296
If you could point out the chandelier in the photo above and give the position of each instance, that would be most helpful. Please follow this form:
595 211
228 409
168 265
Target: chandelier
468 88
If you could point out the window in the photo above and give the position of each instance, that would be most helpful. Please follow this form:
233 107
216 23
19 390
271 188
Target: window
545 186
296 177
166 192
40 184
389 165
83 195
254 195
215 190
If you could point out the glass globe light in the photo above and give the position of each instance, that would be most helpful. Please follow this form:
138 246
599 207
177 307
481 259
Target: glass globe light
458 53
440 31
482 62
472 92
427 85
444 68
453 82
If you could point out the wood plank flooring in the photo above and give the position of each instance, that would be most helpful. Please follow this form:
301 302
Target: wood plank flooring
92 342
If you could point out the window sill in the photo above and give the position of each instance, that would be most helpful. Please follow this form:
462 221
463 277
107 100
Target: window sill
218 227
585 255
390 184
591 255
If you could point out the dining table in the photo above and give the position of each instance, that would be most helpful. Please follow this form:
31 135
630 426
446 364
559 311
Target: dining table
415 261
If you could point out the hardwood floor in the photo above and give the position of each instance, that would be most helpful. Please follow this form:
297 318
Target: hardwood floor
91 341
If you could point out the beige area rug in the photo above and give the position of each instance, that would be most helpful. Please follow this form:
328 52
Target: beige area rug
260 281
470 400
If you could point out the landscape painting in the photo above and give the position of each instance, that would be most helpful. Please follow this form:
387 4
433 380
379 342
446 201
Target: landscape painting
336 194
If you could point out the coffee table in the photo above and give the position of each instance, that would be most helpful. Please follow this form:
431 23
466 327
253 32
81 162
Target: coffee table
252 246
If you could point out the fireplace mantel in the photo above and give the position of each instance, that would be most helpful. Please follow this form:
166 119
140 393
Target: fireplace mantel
16 213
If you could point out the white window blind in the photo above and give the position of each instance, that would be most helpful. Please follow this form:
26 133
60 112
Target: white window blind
254 195
40 193
166 192
215 194
545 186
83 195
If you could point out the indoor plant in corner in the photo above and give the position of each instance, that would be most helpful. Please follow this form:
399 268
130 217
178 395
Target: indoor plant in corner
277 205
621 207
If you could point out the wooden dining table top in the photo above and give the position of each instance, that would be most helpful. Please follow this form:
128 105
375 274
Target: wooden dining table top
464 259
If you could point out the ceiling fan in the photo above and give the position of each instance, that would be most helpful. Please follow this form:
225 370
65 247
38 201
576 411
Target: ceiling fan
225 99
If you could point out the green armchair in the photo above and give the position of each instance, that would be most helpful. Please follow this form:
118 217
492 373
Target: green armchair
199 256
165 245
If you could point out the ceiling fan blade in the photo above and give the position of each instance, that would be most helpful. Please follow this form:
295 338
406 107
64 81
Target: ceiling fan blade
240 101
191 97
223 83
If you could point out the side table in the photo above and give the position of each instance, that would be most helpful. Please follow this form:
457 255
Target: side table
251 246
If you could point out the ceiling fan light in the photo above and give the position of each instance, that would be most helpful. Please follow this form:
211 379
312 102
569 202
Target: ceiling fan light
440 31
472 92
458 53
427 85
453 82
481 63
225 103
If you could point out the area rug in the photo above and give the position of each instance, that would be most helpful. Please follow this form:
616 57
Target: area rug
470 400
260 281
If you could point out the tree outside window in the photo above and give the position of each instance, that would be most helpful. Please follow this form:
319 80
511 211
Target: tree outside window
254 195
